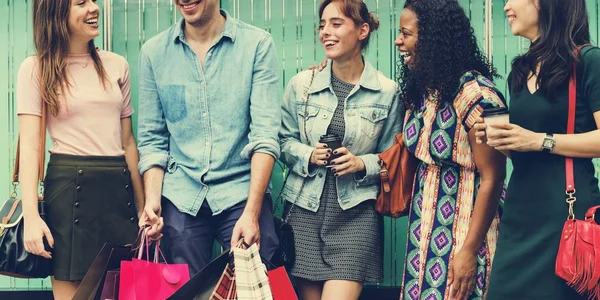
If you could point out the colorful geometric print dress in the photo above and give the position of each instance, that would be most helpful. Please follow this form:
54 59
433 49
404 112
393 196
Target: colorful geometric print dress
446 184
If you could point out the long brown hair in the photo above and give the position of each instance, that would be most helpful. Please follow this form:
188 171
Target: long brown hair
51 39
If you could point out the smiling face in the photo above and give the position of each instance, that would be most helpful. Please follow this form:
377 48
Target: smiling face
197 12
338 34
523 17
83 20
406 42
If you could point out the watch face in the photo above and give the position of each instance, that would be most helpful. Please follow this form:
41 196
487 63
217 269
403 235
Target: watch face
548 143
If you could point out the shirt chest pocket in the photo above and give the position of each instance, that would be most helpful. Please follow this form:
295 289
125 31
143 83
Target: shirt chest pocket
372 120
307 119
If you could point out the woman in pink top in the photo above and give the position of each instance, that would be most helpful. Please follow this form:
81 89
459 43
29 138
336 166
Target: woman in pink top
92 186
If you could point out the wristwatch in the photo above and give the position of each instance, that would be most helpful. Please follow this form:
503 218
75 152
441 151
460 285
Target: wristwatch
548 143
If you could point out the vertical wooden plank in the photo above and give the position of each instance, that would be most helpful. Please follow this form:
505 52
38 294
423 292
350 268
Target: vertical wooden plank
134 42
478 21
5 138
466 5
150 21
370 54
592 10
276 14
499 37
99 40
119 28
290 42
309 34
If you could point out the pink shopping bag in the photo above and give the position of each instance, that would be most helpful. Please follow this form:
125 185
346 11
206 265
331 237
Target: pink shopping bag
150 280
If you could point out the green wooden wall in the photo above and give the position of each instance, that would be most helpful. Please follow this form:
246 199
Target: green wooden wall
293 25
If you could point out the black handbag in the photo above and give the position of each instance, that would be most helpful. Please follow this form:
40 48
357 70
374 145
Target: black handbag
14 260
285 255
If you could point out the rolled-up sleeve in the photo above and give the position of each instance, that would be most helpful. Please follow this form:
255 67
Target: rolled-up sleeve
392 126
265 115
153 135
294 153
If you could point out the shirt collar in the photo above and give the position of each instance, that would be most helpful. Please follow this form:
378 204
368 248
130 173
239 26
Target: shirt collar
229 30
369 78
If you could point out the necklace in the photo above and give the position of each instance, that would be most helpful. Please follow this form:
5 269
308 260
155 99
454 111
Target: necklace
87 62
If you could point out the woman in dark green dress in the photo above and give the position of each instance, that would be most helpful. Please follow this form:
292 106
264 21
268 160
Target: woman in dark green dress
535 209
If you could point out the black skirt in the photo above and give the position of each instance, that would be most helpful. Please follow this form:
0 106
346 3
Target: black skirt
90 203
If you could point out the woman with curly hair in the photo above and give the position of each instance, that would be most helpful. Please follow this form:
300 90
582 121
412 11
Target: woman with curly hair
537 144
446 84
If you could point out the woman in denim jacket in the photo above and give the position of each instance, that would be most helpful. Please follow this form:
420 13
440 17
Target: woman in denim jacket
336 229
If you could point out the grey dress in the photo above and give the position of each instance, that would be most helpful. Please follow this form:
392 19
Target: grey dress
332 243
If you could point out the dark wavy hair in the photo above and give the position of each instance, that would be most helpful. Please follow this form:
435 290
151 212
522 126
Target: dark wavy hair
563 25
446 49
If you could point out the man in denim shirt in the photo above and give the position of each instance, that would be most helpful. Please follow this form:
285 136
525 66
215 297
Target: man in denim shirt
208 124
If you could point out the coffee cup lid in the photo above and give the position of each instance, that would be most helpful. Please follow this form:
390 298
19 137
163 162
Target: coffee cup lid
494 111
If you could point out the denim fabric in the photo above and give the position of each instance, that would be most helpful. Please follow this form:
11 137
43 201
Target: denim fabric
373 117
203 123
189 239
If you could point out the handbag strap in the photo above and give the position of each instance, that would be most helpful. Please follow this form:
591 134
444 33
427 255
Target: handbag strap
570 178
42 153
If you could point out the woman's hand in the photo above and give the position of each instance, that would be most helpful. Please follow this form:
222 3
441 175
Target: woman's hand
461 275
320 155
347 163
511 137
34 232
480 134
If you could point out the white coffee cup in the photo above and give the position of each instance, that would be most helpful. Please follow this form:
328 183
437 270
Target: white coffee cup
494 116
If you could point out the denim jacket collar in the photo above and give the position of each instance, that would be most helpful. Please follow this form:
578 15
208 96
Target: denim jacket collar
368 78
229 30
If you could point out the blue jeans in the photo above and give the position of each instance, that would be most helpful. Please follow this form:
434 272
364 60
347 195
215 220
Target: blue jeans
189 239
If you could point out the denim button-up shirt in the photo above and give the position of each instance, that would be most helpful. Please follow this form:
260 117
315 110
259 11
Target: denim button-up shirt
372 115
203 123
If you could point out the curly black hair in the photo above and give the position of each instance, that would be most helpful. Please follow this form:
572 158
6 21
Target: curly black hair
446 49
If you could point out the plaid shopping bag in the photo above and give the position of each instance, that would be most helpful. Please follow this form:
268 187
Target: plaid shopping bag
225 288
250 273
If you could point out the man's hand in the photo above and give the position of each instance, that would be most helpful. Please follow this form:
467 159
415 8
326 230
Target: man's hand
151 216
247 228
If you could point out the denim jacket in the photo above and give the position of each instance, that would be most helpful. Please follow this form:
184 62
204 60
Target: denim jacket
372 117
203 123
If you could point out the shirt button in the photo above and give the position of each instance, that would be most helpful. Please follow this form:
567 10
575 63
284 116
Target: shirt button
129 204
207 143
80 172
124 170
208 54
204 114
311 205
76 204
325 116
126 186
78 188
320 175
76 221
132 219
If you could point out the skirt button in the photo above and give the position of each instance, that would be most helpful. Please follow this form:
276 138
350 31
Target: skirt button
80 172
76 221
78 188
76 204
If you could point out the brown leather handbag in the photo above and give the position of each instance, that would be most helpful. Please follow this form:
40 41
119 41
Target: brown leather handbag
578 258
397 173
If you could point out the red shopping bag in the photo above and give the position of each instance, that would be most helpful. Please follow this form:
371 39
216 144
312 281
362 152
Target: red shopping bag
150 280
281 286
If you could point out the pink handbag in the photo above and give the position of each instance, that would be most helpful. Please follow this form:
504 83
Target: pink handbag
151 280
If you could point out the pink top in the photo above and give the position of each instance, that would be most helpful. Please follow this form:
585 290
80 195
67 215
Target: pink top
89 120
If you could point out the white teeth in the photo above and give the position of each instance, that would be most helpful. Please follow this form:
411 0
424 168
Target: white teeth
330 43
405 54
91 21
186 6
510 19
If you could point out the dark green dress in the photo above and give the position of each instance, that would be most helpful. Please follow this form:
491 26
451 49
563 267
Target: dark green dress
535 209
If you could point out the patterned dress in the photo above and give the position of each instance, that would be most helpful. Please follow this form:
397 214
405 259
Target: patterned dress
446 184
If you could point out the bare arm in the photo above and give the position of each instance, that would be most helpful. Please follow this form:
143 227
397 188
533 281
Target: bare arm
132 158
260 174
491 166
35 227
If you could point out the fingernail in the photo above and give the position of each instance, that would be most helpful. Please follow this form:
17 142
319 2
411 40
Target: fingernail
327 155
335 152
333 170
326 146
329 150
335 174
